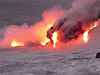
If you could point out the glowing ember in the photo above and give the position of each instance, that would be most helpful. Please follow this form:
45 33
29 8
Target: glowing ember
54 38
85 34
45 42
14 43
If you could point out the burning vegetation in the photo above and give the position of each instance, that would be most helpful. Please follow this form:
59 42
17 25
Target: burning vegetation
58 26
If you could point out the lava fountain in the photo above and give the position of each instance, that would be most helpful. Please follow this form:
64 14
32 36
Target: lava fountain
54 38
86 33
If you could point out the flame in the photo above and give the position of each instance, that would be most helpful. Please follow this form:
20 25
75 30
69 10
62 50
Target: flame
14 43
85 34
45 42
54 38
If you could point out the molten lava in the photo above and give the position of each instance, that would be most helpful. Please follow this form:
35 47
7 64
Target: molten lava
54 38
45 42
14 43
85 34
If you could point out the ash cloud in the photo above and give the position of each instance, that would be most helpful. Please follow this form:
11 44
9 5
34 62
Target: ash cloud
85 11
81 14
66 22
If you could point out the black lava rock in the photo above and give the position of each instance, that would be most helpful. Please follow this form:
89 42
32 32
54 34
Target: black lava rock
98 55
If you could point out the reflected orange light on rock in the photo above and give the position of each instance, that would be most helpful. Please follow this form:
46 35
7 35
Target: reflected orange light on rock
86 33
15 43
54 38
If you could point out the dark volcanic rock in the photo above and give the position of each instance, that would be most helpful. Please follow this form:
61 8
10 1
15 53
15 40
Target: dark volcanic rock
98 55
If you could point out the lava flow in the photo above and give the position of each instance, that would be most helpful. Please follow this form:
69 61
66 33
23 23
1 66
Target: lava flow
86 33
14 43
54 38
45 42
85 36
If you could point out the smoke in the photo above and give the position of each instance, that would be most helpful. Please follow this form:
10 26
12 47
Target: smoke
67 22
81 15
84 11
34 33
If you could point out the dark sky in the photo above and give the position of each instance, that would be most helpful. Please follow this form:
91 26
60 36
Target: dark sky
26 11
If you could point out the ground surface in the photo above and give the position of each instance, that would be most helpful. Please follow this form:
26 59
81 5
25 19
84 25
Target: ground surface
33 61
30 61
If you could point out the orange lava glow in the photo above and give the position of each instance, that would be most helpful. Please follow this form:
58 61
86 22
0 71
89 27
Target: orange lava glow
54 38
45 42
86 33
85 36
14 43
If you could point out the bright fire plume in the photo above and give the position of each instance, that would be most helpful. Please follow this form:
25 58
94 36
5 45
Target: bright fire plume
46 40
15 43
54 38
85 34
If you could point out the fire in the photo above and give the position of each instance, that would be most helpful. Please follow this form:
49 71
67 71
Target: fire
15 43
45 42
85 34
54 38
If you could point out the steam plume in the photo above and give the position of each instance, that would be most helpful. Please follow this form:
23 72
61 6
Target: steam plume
81 14
67 22
34 33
